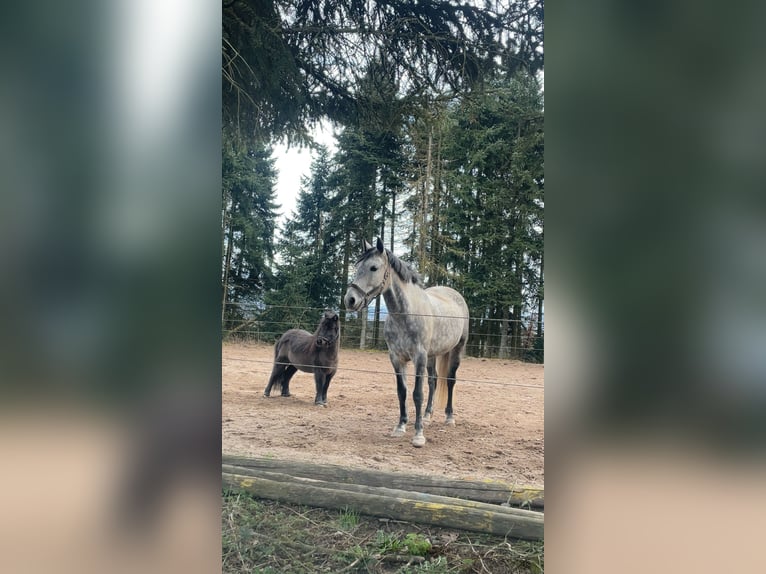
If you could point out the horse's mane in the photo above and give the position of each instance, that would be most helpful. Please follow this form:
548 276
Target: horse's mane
402 268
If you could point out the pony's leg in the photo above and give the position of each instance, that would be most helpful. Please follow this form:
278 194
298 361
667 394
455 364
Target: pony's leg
319 382
417 396
453 365
326 386
288 374
400 369
431 368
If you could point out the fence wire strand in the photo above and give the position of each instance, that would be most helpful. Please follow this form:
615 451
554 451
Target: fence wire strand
388 373
348 342
522 341
383 313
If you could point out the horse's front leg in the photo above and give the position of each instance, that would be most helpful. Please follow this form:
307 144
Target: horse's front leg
326 386
319 381
400 370
417 397
431 368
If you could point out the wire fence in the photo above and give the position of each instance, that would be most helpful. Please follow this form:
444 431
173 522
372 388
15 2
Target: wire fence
267 365
488 336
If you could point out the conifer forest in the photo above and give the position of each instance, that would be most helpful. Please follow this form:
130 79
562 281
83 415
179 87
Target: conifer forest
438 109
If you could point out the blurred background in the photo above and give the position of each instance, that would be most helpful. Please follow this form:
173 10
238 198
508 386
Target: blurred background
110 235
656 277
109 251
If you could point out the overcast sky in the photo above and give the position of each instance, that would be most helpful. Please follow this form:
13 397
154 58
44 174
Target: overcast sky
293 164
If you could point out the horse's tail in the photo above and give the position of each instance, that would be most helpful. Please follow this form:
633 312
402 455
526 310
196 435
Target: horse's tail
442 367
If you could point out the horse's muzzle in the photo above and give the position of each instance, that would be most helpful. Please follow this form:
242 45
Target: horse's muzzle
354 299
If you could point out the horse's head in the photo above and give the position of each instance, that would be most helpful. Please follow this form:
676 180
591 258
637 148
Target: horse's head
370 279
329 329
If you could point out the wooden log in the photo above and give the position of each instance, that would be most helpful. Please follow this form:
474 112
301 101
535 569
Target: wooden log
396 508
380 490
489 491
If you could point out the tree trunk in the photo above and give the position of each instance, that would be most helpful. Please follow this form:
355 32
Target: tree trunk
226 266
363 331
491 492
436 201
515 350
344 272
423 231
395 504
484 337
540 292
376 323
503 351
518 309
376 316
393 218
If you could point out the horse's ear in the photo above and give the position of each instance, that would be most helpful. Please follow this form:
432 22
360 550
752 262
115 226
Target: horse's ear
379 245
366 245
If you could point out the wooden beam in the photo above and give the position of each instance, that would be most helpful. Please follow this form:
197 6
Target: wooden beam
382 491
396 508
489 491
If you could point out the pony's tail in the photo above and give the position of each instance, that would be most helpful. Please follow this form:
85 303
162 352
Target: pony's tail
276 387
440 395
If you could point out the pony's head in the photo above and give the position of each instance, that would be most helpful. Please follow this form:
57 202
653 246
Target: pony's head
371 276
329 329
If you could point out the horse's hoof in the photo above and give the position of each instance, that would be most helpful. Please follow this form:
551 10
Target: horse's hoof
399 430
266 395
418 440
450 422
286 395
427 418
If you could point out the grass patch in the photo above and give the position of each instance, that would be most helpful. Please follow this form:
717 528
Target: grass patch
348 519
417 544
262 536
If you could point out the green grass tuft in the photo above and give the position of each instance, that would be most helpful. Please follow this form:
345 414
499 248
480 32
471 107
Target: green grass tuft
348 519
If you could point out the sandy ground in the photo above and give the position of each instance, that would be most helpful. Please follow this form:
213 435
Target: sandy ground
498 435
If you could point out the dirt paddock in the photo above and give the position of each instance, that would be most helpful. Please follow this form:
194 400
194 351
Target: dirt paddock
498 435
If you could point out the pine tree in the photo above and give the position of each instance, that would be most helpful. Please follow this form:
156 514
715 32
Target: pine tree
495 217
308 272
285 63
249 215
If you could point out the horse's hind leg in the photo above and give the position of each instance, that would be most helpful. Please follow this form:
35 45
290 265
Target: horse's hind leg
275 380
431 368
401 390
289 371
417 397
281 373
454 363
321 382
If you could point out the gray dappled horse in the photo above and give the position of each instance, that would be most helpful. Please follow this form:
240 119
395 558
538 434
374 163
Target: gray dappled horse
426 326
300 350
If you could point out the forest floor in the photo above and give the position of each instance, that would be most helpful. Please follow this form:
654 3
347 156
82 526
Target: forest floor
273 538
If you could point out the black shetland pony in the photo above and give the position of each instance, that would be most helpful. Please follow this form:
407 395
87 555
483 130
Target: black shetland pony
300 350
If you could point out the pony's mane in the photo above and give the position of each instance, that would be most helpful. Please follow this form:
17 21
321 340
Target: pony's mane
402 268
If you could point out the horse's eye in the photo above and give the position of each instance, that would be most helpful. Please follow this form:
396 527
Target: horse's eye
373 268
